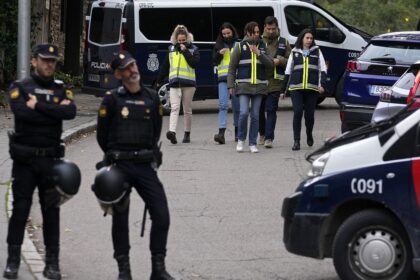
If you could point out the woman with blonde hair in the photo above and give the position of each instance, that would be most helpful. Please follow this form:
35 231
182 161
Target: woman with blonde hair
179 66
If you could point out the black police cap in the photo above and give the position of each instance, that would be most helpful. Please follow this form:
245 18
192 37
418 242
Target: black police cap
47 51
121 60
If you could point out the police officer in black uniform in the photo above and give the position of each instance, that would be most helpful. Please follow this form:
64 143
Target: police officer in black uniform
128 131
39 104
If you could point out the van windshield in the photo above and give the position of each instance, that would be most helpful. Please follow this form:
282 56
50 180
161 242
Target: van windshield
105 26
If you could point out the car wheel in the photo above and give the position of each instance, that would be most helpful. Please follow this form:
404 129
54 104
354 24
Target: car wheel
163 93
372 245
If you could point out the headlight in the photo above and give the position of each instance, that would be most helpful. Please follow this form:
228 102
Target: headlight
318 165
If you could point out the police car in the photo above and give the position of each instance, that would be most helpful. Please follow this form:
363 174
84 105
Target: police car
360 203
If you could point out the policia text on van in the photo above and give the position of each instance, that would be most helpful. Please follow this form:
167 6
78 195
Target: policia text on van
135 26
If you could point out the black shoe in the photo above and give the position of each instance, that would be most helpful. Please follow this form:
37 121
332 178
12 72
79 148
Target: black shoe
52 269
296 146
171 137
310 140
236 134
13 262
220 137
158 269
124 267
186 137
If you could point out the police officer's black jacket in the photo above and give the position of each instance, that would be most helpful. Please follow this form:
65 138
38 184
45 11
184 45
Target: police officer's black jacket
42 126
129 122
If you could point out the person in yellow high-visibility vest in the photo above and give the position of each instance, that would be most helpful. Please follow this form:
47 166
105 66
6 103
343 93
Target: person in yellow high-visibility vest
225 42
179 67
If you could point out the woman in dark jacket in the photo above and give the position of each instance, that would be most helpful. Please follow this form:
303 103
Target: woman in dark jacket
221 57
307 72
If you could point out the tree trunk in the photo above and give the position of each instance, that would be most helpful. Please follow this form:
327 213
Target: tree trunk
74 22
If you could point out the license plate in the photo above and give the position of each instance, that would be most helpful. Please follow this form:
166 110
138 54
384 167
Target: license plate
378 90
93 78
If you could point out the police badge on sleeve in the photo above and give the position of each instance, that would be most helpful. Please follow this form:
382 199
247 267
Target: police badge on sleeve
153 62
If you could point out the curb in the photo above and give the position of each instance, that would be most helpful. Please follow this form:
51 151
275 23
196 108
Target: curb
30 255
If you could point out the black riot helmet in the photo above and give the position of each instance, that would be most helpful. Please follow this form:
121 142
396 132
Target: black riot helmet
110 186
64 181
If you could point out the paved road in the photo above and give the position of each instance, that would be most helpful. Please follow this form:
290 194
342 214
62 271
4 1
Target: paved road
225 208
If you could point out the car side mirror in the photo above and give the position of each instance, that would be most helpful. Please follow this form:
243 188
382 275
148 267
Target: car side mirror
335 35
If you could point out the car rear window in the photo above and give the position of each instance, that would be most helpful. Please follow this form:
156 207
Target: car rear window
400 52
105 26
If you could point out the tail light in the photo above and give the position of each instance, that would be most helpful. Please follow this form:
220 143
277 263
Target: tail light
413 89
353 66
341 115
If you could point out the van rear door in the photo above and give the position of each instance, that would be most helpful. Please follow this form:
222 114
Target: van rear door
103 41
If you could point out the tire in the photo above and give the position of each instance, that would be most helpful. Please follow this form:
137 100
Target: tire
339 90
163 93
372 245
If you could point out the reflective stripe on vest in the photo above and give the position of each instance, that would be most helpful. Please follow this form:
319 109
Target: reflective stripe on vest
223 67
305 73
250 69
179 70
281 51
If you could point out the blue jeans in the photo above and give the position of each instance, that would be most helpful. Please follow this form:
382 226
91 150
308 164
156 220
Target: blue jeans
243 117
224 106
271 106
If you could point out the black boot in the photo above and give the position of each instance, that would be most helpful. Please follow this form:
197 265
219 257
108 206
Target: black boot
124 267
13 262
158 269
52 269
220 137
236 134
309 138
296 146
186 137
171 137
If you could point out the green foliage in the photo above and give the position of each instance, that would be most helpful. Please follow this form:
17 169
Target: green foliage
70 80
376 16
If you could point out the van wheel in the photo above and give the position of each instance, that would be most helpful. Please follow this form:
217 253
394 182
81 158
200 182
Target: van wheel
320 100
372 245
163 93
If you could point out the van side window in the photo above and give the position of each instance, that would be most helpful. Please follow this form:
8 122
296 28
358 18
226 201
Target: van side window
239 16
405 147
299 18
159 23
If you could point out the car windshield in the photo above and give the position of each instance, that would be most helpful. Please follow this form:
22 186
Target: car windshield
360 133
388 52
407 80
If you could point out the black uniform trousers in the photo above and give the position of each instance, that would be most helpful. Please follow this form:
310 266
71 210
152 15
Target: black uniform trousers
27 175
146 182
304 103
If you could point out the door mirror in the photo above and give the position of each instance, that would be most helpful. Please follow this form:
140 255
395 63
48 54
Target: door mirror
335 35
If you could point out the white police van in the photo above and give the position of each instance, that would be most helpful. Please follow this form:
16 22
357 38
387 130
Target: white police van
360 204
144 27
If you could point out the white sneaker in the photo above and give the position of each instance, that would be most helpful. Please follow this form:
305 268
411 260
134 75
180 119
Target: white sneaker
268 143
240 146
253 149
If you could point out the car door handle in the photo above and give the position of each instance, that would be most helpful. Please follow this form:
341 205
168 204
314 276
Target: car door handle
390 175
